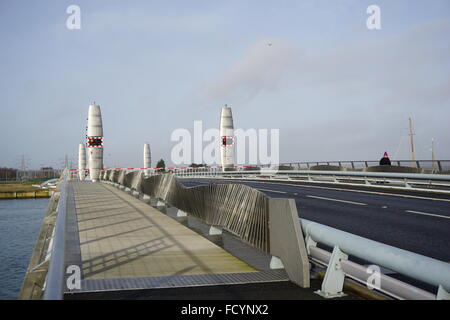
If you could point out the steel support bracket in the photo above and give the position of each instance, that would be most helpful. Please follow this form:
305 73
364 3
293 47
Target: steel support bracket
407 185
442 294
145 197
215 231
160 203
181 213
135 193
309 242
334 277
276 263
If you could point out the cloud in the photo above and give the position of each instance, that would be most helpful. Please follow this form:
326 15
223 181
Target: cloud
350 101
263 66
405 69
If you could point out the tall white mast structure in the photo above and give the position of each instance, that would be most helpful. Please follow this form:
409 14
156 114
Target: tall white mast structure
226 132
95 141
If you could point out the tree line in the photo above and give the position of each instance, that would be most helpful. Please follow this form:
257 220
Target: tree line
8 173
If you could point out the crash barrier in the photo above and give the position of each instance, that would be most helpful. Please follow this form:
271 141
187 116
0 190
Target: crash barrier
434 182
416 166
415 266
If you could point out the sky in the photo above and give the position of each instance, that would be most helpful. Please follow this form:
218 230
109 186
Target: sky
312 69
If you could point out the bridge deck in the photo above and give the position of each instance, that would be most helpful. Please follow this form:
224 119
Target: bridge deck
130 250
123 237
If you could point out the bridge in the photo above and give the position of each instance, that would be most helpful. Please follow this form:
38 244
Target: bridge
298 230
206 233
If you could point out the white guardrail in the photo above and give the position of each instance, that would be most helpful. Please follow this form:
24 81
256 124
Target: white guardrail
412 265
53 287
435 182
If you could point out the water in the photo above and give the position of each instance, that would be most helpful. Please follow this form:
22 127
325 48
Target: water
20 221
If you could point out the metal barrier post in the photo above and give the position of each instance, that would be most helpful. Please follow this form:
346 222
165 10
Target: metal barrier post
334 277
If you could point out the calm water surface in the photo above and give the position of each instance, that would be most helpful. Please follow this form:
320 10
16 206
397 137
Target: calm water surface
20 221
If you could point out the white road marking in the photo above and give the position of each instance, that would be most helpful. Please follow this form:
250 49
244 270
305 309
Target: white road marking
338 200
353 190
272 190
428 214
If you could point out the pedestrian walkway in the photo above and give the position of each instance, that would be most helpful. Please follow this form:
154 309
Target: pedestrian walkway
121 237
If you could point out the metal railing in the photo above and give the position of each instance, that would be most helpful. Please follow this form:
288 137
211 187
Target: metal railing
55 277
415 266
432 165
218 205
36 273
435 182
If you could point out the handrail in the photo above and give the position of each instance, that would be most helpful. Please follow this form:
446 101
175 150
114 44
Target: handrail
438 182
435 165
55 276
419 176
413 265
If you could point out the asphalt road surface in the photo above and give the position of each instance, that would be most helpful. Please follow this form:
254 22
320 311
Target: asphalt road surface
417 222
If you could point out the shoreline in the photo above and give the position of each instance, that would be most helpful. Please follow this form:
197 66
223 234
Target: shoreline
38 194
22 191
